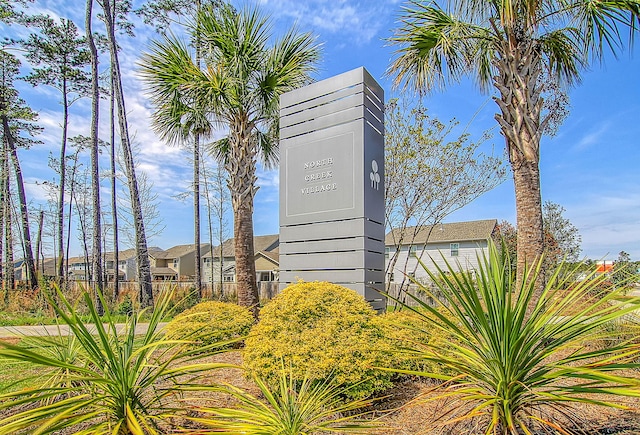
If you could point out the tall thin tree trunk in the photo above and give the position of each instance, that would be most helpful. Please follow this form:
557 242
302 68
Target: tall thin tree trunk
98 278
70 214
205 183
114 206
7 275
142 252
220 187
196 184
39 241
24 213
62 186
4 179
196 213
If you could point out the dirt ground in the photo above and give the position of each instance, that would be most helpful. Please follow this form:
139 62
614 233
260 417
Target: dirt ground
401 412
406 410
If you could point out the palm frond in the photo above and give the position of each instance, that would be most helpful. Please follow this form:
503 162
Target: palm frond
510 359
288 408
437 48
118 379
603 23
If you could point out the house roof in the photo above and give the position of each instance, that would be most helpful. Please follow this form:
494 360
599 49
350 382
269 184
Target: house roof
131 253
268 243
271 256
178 251
451 232
163 271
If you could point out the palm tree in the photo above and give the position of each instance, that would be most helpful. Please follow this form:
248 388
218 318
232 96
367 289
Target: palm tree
514 46
237 89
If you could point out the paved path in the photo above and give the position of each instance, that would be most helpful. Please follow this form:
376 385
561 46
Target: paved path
44 330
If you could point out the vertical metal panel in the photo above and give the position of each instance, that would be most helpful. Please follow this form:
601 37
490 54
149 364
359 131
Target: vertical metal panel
332 184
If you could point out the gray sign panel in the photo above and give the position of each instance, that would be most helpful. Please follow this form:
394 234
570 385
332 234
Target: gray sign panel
332 184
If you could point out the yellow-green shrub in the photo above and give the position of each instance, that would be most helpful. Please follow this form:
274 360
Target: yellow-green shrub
210 322
411 337
322 331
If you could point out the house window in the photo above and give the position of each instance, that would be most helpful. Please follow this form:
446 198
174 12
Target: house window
414 249
175 262
455 248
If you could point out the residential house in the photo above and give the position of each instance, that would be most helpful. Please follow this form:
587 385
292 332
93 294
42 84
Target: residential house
457 243
266 251
177 263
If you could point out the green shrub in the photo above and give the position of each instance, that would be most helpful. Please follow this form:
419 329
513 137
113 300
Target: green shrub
412 339
125 307
322 331
210 322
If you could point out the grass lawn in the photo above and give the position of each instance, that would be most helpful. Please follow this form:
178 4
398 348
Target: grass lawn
15 375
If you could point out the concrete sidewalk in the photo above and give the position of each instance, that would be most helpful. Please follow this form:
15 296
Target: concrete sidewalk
54 330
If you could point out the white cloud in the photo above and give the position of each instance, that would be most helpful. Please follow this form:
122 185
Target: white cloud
356 21
608 222
593 136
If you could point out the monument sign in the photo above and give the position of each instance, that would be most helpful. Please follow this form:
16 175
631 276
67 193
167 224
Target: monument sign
332 184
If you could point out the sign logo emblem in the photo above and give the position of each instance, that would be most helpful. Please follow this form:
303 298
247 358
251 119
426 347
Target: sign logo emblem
374 175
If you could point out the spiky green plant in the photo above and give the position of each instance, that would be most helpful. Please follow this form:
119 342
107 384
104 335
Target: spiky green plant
291 408
511 369
118 383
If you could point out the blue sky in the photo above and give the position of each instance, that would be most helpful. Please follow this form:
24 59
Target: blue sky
591 167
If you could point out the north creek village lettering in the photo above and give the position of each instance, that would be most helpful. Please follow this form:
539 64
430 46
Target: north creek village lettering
319 171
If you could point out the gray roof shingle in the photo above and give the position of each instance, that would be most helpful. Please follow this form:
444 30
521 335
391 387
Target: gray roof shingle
453 232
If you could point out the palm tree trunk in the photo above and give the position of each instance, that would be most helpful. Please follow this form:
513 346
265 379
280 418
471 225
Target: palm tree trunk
530 245
520 103
247 286
241 166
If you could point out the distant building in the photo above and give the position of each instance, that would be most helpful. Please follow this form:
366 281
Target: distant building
177 263
604 266
266 255
457 243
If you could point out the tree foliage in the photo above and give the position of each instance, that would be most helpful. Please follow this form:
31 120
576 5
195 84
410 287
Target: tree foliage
430 170
625 272
566 239
562 238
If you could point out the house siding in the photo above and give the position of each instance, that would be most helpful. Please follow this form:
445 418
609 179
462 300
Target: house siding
437 255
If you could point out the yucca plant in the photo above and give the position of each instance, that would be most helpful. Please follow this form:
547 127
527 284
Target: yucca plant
513 369
117 383
291 408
